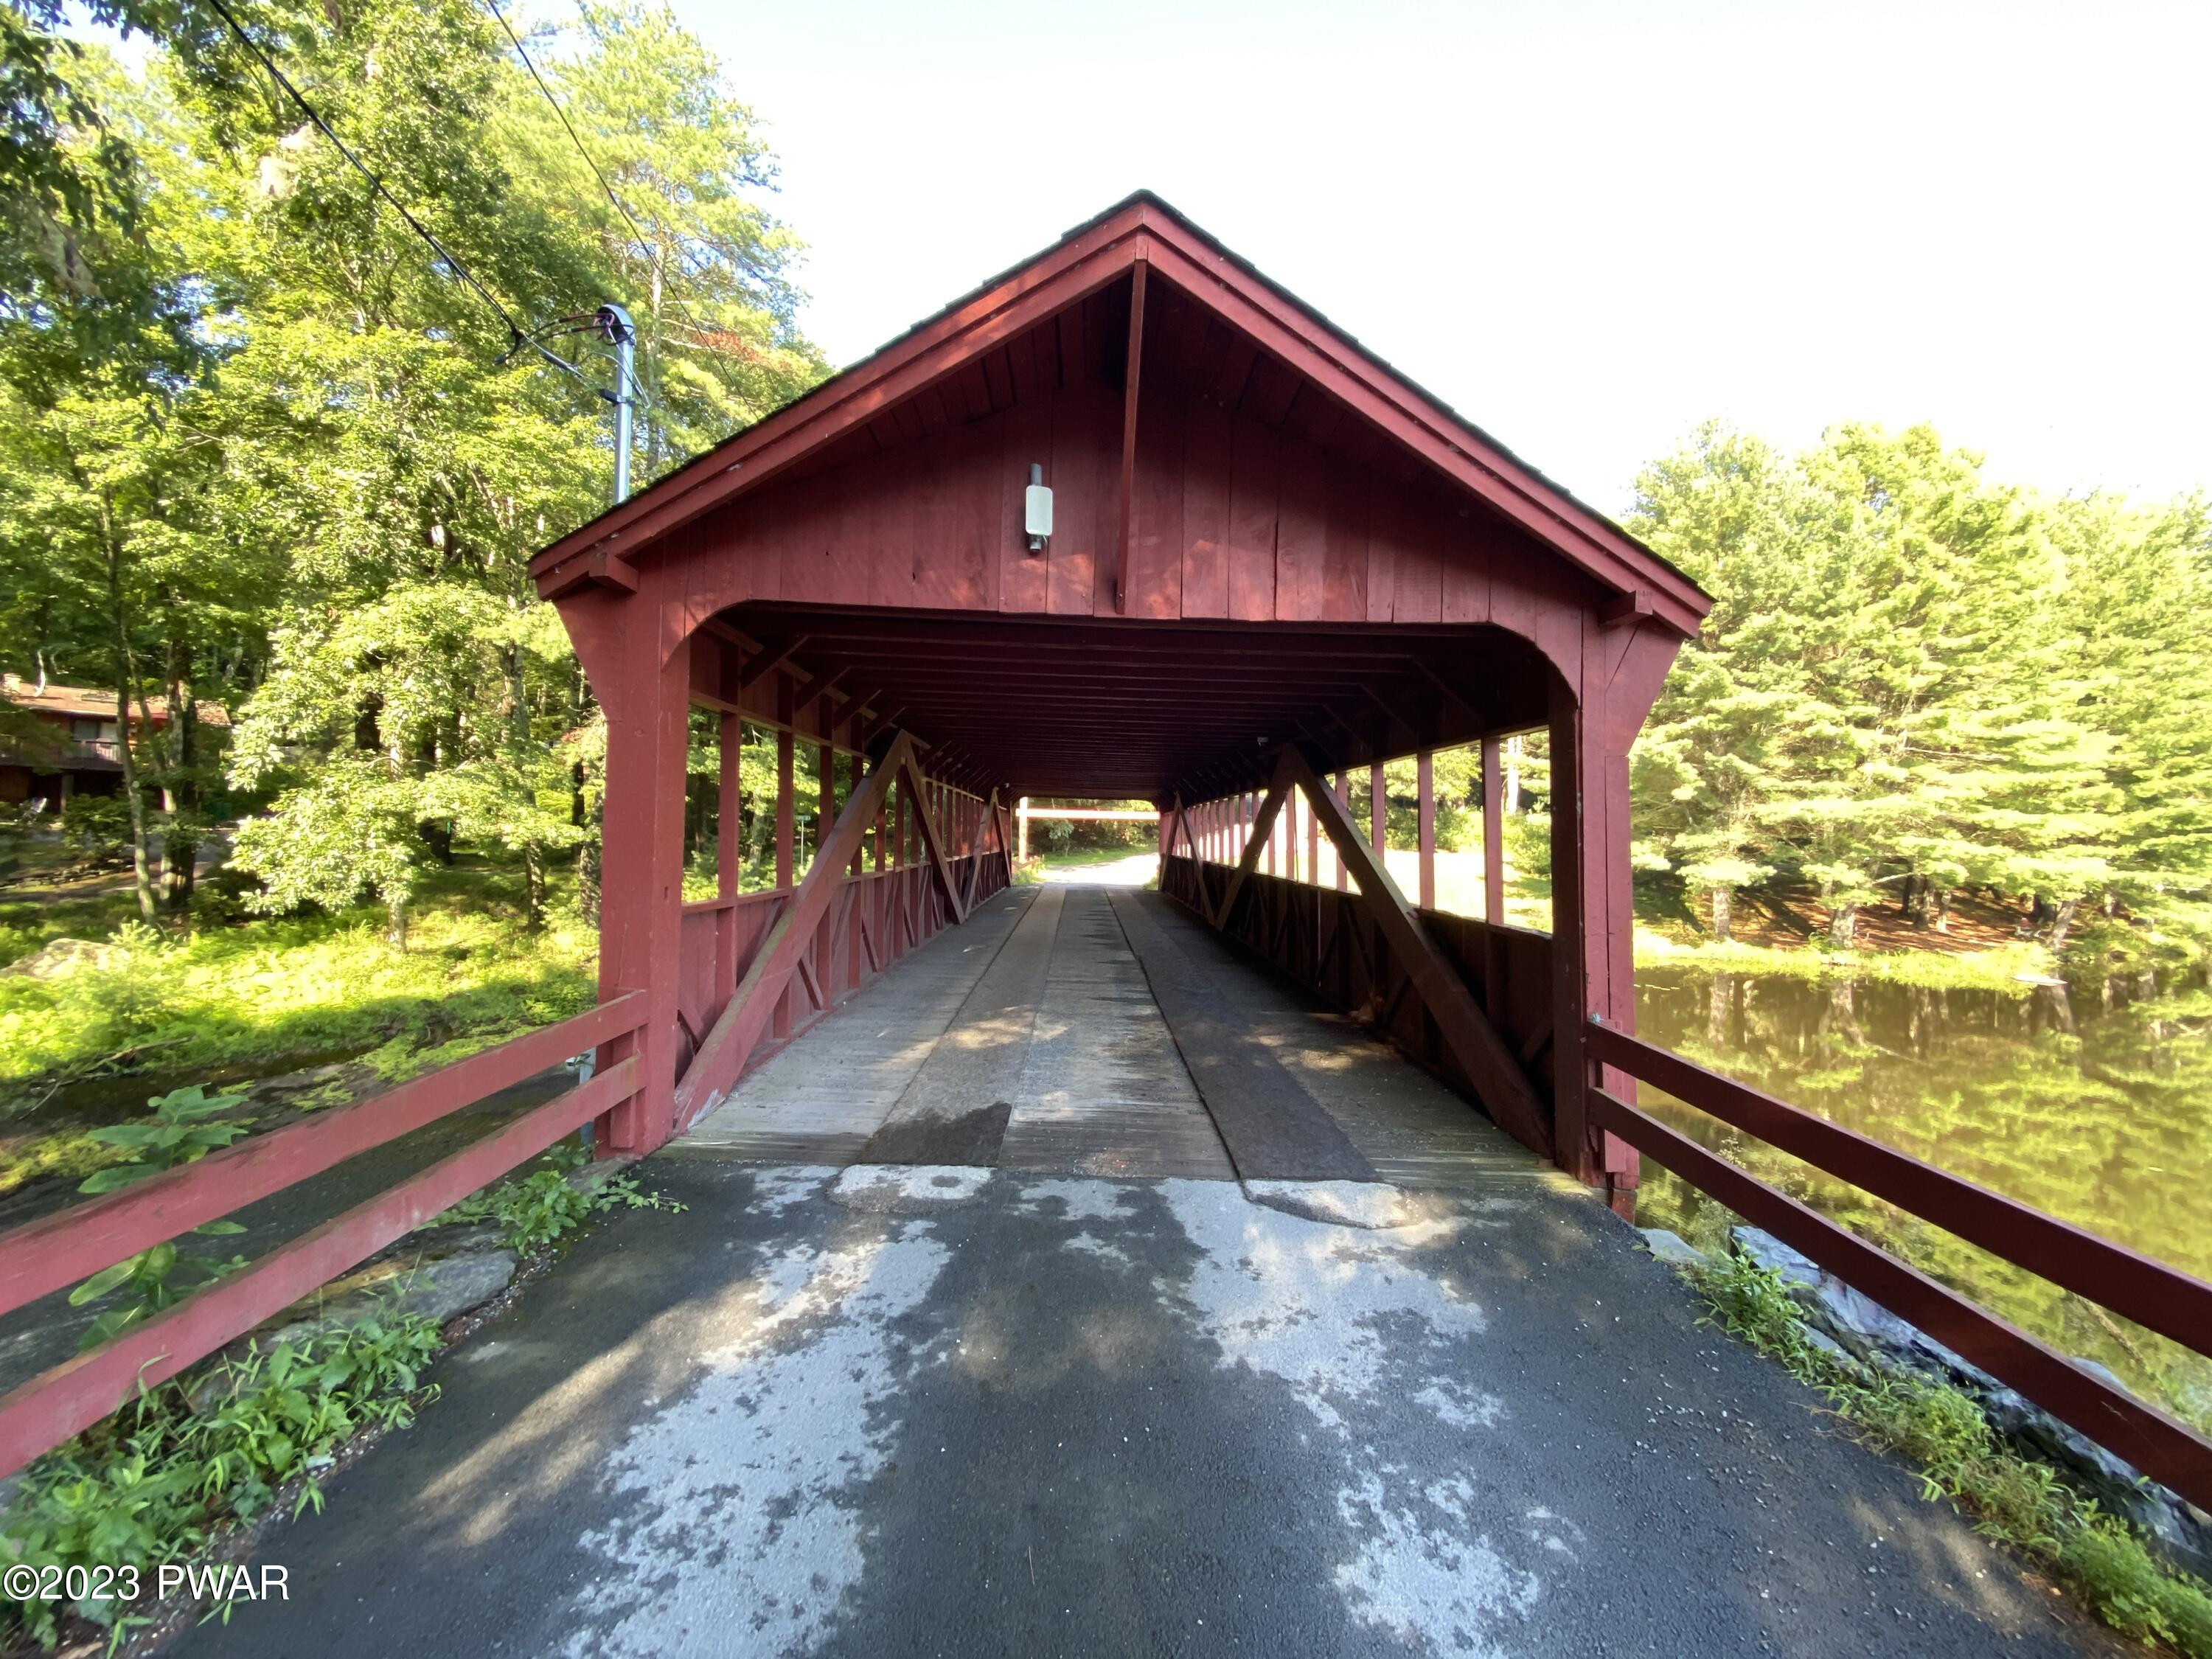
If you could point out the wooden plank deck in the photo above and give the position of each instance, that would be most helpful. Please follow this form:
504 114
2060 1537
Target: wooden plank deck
1102 1088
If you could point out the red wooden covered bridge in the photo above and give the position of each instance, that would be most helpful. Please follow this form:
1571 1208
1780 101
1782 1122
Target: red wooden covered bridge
1271 559
1270 562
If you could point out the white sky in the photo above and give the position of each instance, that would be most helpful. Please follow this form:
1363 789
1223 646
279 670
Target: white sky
1586 226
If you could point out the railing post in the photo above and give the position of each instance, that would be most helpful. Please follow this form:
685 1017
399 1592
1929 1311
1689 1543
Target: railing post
825 780
729 845
729 809
851 787
787 825
883 851
787 788
1424 777
1341 788
1378 836
1493 835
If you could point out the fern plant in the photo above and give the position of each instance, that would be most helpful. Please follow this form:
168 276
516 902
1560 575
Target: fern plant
184 1130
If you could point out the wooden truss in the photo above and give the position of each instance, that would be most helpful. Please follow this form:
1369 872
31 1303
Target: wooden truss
1499 1082
730 1041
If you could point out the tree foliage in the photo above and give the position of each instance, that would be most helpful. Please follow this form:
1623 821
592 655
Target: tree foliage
262 446
1915 681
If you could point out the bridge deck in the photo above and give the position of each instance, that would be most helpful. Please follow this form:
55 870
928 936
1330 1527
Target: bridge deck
1099 1086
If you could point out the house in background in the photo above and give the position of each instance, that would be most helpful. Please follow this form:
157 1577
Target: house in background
70 746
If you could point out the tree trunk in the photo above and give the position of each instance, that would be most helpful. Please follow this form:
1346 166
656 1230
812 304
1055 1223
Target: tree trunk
1723 904
587 881
180 846
1942 907
756 836
395 919
2062 1006
2063 922
1844 1008
133 793
533 885
1843 925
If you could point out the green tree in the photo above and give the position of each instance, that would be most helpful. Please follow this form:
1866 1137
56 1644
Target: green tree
429 704
2137 585
1883 700
383 434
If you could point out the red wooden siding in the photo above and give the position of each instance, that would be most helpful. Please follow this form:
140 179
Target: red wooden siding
1254 498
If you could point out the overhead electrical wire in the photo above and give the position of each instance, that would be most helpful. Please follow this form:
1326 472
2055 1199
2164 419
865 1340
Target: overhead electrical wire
516 338
652 250
645 242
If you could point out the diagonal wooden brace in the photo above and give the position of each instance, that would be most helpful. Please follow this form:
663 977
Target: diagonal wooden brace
1503 1088
924 799
1263 824
782 954
1179 830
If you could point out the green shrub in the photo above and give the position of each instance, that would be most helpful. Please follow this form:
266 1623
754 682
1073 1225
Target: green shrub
150 1484
182 1131
543 1207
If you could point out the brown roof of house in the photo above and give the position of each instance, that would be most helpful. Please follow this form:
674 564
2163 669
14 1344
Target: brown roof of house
87 702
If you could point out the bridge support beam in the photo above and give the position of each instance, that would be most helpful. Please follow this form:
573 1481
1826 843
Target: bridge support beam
1593 898
641 880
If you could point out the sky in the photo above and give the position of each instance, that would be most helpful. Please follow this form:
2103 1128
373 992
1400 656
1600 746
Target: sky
1587 226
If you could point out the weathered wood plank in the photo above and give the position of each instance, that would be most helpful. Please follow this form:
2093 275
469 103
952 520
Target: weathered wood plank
1205 486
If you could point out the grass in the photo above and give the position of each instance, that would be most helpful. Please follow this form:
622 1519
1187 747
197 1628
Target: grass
210 999
1082 858
2014 1499
163 1480
1997 968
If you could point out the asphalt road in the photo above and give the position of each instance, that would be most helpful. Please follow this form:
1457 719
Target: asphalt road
975 1411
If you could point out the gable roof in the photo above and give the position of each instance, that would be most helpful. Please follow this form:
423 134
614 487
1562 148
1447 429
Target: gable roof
1142 228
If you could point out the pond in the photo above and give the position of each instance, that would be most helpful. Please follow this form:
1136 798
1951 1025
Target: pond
2094 1104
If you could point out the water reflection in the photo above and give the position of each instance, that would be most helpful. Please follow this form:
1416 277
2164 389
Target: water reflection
2093 1105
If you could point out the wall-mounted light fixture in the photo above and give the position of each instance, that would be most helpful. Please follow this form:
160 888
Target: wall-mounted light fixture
1036 509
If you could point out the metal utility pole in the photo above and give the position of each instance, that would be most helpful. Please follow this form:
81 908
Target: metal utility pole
612 324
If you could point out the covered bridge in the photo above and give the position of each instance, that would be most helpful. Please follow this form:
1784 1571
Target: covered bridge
1270 562
1271 558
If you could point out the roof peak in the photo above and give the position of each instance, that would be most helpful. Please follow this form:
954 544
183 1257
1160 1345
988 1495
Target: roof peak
1142 229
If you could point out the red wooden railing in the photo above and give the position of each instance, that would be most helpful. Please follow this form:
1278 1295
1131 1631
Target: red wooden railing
59 1249
2153 1295
878 917
1314 935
